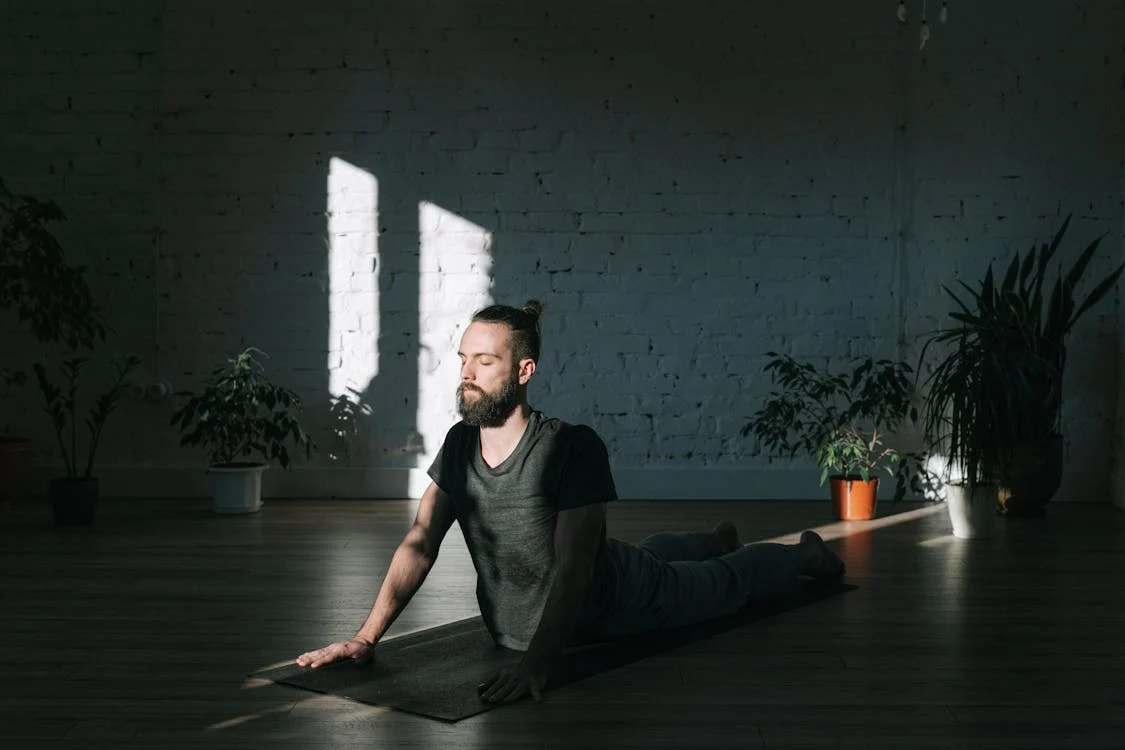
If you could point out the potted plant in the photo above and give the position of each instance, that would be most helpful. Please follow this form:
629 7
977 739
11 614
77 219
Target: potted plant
47 295
965 421
74 497
236 416
840 421
1016 331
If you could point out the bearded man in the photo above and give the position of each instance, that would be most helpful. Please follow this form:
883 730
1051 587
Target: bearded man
530 493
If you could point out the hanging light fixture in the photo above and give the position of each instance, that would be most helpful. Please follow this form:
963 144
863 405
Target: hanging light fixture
924 29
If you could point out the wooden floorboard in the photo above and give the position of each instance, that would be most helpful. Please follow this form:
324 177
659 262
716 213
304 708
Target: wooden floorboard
141 631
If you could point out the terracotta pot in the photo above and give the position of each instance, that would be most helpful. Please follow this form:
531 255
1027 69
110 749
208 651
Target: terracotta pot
1036 474
853 499
15 467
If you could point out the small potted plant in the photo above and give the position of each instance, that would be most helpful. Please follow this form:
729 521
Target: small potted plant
840 422
243 421
74 497
48 296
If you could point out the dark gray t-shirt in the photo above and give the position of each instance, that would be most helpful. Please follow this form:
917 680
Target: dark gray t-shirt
507 514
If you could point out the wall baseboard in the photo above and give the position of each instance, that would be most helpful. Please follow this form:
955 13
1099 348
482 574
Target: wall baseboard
633 483
361 483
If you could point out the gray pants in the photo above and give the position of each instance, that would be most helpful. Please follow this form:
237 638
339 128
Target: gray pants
673 579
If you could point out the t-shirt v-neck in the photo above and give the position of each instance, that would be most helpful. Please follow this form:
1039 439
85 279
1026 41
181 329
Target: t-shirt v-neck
513 458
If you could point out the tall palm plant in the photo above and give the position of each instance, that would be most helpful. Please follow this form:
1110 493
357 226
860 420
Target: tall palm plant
1000 382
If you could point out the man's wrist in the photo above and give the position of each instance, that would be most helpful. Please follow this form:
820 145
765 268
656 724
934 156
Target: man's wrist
534 660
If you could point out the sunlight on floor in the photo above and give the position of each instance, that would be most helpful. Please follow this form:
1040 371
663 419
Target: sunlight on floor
938 541
353 300
340 709
842 529
236 721
455 280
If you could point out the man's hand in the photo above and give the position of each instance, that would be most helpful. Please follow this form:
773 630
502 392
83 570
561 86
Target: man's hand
513 683
356 649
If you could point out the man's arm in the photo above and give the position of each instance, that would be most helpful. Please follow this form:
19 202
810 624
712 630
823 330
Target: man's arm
578 532
411 563
409 567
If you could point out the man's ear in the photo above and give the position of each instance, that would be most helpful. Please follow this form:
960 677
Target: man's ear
526 370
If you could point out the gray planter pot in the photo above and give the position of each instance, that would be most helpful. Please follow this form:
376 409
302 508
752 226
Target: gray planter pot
237 488
973 514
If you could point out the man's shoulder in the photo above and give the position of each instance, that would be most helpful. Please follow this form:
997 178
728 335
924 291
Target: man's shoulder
458 433
561 429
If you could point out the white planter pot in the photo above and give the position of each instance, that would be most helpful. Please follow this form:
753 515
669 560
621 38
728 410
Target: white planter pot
973 515
237 489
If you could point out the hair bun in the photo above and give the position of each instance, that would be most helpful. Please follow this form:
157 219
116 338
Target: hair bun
533 307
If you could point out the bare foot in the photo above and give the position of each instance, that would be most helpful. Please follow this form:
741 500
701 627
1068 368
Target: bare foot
816 559
727 534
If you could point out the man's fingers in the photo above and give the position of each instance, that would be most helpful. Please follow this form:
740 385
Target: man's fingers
536 694
481 688
498 684
515 692
357 650
504 689
307 659
321 657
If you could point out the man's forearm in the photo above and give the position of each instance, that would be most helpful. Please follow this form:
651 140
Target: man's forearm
560 614
408 569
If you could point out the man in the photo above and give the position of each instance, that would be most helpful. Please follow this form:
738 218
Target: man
530 494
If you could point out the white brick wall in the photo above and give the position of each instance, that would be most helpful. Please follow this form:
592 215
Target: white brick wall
685 190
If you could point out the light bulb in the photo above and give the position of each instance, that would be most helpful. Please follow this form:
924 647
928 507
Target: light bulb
902 11
924 36
944 11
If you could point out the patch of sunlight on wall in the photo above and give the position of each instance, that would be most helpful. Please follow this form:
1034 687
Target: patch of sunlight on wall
455 280
353 260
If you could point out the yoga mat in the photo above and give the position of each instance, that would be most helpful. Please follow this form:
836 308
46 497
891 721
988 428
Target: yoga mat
435 672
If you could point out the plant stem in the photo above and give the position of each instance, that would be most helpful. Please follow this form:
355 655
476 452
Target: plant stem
95 436
72 464
62 449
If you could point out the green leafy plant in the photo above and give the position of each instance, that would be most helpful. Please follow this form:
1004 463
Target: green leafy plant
45 292
62 406
1000 379
967 408
839 420
239 414
38 285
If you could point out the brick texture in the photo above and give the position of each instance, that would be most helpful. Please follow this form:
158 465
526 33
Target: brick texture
685 187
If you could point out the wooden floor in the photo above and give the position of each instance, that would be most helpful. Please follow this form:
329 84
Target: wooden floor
139 631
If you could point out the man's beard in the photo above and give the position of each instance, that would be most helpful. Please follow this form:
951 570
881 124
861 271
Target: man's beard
490 409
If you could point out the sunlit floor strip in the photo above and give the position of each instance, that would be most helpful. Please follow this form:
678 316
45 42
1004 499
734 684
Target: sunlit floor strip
840 529
938 541
246 718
